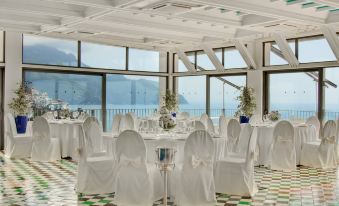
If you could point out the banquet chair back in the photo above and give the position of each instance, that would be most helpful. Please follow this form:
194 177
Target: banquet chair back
135 120
198 125
244 139
198 169
44 147
133 184
11 126
327 148
210 126
204 118
126 123
233 133
282 152
314 121
116 123
48 115
93 135
223 126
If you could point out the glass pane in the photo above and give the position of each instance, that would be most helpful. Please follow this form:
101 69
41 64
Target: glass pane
132 93
276 57
233 59
181 67
103 56
75 90
143 60
43 50
192 91
218 52
2 48
294 95
204 62
315 49
223 93
331 93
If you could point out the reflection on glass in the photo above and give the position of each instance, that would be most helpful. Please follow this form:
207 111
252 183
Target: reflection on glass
192 91
223 93
204 62
132 93
75 90
233 59
294 95
143 60
103 56
331 82
49 51
315 49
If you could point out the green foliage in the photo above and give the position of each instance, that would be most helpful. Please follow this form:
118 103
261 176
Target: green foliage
170 100
21 104
247 104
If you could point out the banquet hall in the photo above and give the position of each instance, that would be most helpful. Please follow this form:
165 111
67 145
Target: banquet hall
169 102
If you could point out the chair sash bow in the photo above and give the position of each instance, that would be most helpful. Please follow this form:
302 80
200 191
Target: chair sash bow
126 161
200 161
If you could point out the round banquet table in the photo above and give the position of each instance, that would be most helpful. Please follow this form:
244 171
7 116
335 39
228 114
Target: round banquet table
175 140
302 133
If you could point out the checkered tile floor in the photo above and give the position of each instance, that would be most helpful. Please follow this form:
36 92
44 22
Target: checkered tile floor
23 182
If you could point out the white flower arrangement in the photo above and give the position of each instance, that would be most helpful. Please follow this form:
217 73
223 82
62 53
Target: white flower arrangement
163 110
167 121
274 116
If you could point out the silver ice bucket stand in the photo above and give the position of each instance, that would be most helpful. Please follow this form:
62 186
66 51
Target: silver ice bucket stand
165 162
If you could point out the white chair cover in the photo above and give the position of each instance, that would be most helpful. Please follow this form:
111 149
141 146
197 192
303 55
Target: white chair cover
44 148
204 118
96 174
116 123
135 121
16 146
244 139
210 126
195 183
135 180
48 115
223 122
256 118
321 155
126 123
235 176
314 121
94 139
198 125
233 133
282 155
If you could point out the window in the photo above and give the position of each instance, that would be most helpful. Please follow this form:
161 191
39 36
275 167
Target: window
294 95
315 49
49 51
203 62
218 53
143 60
223 93
103 56
2 46
179 66
233 59
331 87
192 94
132 93
54 90
275 55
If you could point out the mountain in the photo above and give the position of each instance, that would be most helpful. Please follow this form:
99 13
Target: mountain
77 89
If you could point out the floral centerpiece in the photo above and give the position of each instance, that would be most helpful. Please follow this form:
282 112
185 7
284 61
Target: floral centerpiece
21 105
168 111
274 116
247 104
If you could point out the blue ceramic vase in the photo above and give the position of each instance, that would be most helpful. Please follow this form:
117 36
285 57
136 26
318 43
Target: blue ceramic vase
244 119
21 124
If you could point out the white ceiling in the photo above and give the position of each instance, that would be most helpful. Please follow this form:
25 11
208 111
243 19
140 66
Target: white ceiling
166 23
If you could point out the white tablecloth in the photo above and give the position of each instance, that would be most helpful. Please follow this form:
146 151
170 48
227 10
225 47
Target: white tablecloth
175 140
302 134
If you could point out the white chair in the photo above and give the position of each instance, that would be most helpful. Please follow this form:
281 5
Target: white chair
44 148
223 122
233 133
96 173
282 154
126 123
235 175
137 183
194 183
135 120
321 155
204 118
48 115
314 121
16 145
210 126
94 139
116 124
198 125
244 139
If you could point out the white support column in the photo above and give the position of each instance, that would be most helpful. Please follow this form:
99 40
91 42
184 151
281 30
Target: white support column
185 60
286 50
255 80
13 70
246 55
214 59
332 39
